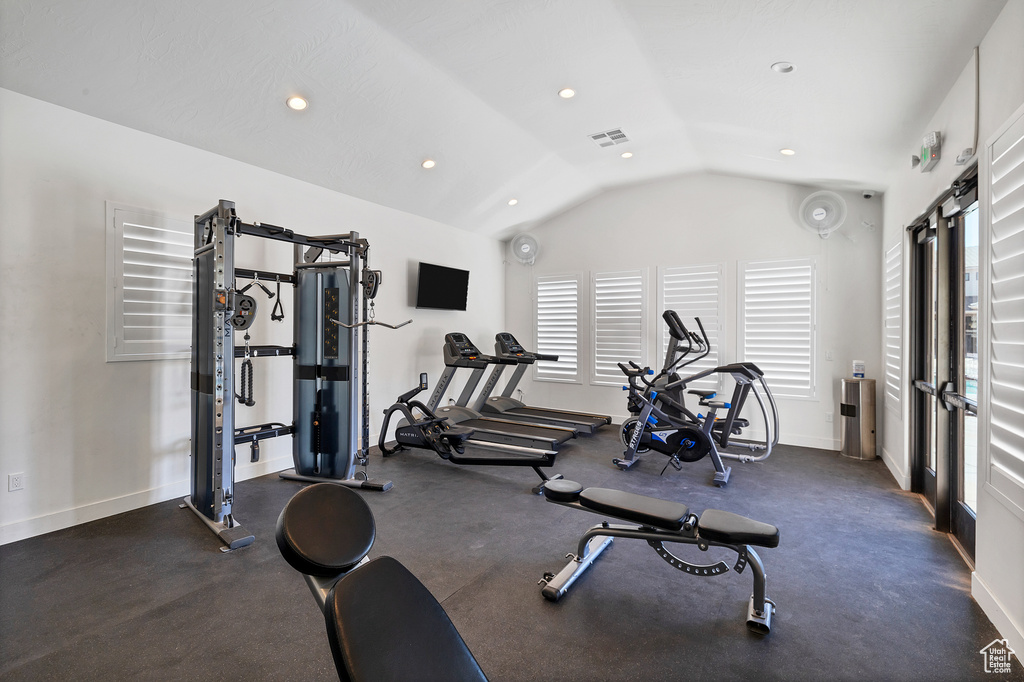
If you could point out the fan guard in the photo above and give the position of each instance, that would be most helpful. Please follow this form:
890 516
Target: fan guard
823 213
524 248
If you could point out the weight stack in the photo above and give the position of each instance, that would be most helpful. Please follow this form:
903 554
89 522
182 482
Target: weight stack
322 385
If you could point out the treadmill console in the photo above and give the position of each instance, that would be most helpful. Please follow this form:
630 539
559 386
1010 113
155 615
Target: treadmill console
506 345
459 351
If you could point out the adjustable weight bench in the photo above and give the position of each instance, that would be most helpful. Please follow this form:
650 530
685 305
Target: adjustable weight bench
660 522
382 623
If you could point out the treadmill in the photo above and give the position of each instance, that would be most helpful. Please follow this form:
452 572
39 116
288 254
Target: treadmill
506 348
493 432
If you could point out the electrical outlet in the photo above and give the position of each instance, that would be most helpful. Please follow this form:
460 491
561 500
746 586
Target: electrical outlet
828 356
15 482
828 417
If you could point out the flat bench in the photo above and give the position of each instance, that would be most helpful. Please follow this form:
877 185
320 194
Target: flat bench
663 521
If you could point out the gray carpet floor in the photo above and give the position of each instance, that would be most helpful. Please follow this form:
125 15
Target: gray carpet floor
865 589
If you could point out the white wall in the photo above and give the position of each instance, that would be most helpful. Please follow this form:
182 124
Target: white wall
96 438
999 551
705 218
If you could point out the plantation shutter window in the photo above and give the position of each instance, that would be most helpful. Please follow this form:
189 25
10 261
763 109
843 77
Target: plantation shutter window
558 327
894 325
777 323
693 291
1006 312
149 294
619 324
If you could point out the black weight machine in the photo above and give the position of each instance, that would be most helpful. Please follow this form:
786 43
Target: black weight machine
329 356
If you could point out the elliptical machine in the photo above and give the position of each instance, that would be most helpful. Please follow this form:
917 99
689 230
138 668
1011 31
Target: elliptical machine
665 424
654 429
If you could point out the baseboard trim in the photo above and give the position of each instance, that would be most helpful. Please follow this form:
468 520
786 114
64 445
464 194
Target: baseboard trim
66 518
989 603
811 442
902 479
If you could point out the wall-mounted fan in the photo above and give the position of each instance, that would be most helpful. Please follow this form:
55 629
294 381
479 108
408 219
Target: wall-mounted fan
823 213
524 248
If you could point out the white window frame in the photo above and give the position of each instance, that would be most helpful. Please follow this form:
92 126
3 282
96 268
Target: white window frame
1001 266
543 342
175 237
745 333
893 326
633 328
709 279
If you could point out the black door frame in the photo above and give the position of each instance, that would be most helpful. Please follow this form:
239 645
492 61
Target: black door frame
940 399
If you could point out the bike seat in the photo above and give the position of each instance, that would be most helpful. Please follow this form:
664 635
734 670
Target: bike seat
703 394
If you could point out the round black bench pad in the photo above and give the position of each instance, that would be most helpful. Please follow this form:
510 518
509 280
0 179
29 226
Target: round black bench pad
560 490
733 529
324 530
383 624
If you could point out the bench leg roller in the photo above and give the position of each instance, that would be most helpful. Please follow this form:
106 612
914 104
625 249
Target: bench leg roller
760 621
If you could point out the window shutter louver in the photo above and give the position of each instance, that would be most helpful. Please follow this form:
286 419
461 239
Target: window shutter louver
558 327
894 325
776 319
694 292
620 318
1006 327
151 291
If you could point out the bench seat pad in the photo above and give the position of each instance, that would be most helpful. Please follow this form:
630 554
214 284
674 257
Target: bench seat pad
648 511
733 529
325 530
383 624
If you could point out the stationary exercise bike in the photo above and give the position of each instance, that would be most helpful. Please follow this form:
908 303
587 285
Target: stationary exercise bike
654 429
747 378
664 423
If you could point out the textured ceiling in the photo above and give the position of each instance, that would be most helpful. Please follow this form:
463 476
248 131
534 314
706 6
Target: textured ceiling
473 83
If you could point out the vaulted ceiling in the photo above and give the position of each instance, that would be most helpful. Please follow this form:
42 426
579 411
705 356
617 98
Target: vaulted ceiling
472 84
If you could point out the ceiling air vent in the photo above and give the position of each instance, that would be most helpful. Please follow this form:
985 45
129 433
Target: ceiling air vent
609 138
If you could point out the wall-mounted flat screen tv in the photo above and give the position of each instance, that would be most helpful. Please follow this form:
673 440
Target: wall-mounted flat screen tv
441 288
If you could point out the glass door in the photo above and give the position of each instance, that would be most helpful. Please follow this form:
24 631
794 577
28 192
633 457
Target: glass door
961 396
924 407
944 362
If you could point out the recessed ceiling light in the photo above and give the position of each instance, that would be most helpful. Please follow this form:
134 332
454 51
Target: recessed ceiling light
297 103
513 202
428 163
566 93
627 155
782 67
787 152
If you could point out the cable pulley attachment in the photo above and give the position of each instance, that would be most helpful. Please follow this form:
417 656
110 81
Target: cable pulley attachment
256 281
274 315
244 395
367 323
